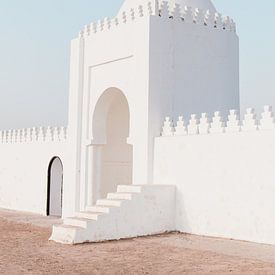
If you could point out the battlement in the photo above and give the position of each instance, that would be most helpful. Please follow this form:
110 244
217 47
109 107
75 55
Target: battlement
35 134
184 14
203 125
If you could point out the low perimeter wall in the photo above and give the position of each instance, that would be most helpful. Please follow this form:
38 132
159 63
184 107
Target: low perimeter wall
225 183
24 163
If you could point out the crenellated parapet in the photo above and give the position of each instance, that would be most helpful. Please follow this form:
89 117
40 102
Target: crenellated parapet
233 124
183 14
196 16
107 23
35 134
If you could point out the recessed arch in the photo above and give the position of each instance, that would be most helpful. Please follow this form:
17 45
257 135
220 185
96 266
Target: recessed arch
113 156
101 112
55 187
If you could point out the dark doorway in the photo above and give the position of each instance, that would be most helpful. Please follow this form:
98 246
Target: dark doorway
55 188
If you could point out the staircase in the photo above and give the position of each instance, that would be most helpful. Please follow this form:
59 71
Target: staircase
134 210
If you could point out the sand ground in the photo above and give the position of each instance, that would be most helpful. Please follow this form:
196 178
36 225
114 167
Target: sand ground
25 249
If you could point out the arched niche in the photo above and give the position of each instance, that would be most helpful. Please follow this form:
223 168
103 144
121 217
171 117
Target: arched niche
112 155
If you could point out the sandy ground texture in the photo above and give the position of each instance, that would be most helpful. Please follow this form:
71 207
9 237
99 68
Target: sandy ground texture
25 249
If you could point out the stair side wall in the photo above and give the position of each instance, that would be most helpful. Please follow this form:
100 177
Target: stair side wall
150 212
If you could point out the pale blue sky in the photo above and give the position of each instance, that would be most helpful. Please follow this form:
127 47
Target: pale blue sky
34 54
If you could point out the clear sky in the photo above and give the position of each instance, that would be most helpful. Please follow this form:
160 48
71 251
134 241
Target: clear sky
34 54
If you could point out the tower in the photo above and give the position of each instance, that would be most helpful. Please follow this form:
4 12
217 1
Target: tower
127 73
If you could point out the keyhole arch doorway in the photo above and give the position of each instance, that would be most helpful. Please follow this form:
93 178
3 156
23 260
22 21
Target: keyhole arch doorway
112 155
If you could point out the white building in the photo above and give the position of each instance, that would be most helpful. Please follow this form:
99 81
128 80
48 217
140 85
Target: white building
110 174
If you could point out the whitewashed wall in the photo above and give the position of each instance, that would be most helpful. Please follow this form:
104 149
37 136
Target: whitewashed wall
105 69
225 181
162 59
194 65
25 156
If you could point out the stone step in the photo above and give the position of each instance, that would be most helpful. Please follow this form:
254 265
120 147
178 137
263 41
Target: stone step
68 226
120 196
98 209
129 189
109 202
79 222
151 213
89 215
66 234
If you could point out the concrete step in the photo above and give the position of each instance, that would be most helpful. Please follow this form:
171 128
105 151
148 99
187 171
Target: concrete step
120 196
66 234
79 222
129 189
151 212
89 215
109 202
98 209
68 226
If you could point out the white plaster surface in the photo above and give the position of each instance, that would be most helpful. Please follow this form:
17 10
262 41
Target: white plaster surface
225 183
24 174
156 58
132 211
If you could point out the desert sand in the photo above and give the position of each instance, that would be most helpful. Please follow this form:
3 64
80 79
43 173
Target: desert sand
25 249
